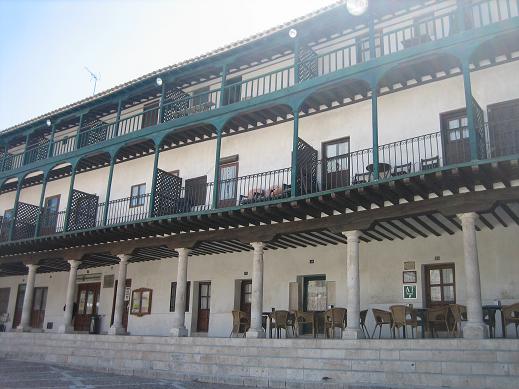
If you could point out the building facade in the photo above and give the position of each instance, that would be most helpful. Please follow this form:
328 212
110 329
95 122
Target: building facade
338 160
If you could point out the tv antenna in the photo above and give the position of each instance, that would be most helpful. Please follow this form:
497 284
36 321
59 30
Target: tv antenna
94 77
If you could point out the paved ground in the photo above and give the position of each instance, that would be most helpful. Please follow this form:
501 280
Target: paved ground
18 374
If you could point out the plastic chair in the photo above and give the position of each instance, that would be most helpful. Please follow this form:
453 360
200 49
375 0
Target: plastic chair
381 318
334 318
240 320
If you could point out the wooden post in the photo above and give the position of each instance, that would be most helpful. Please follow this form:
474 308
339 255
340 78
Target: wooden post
214 202
154 180
108 189
295 141
42 199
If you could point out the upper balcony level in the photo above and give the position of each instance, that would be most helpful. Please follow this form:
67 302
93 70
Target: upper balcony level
186 95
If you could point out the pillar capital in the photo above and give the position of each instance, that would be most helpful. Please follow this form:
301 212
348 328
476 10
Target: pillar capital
468 217
74 263
124 257
31 266
353 235
183 251
258 246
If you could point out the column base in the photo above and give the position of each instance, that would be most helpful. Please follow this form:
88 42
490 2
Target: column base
475 331
117 331
255 334
179 332
352 333
21 328
66 329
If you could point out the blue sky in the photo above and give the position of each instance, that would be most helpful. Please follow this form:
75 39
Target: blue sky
45 45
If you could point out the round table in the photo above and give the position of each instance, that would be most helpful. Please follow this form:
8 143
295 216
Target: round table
384 169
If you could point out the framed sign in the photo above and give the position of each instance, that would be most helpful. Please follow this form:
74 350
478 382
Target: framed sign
141 302
409 265
127 291
409 277
409 292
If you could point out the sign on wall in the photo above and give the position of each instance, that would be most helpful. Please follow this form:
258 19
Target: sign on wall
127 291
409 292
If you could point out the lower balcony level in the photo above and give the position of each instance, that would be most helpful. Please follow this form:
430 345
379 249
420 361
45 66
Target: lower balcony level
414 167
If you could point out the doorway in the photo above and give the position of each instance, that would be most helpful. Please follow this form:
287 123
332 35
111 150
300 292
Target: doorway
126 303
246 296
39 302
88 305
50 215
455 135
503 128
440 284
336 168
228 184
19 305
204 306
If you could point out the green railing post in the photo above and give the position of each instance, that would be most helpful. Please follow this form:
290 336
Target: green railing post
294 167
108 189
161 101
460 15
473 142
69 200
371 27
297 61
118 117
374 126
15 209
25 151
76 142
222 87
51 141
6 154
214 202
42 199
154 180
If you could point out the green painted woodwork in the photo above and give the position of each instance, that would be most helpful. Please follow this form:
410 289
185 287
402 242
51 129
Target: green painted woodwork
374 128
15 209
153 180
214 204
69 200
295 138
42 199
470 110
109 188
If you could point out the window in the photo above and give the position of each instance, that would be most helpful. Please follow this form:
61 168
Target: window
232 91
440 284
138 193
457 128
173 296
141 302
336 155
150 114
363 51
200 96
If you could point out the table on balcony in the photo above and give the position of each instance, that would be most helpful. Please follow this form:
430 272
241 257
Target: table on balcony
384 169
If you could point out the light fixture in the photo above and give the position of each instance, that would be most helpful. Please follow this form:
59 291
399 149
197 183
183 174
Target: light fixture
292 33
356 7
158 81
48 122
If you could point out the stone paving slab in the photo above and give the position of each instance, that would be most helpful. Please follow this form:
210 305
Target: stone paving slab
30 375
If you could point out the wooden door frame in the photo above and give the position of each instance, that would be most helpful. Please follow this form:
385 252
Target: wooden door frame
242 284
45 290
14 325
78 294
427 281
324 156
224 202
200 283
443 117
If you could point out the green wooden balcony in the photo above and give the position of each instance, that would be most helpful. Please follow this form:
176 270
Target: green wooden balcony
174 197
406 33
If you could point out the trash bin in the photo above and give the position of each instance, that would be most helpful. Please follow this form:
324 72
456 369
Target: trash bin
95 324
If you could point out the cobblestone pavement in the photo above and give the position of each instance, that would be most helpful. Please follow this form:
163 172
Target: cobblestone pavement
20 374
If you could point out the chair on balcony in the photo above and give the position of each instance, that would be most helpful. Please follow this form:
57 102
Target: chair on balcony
430 163
361 178
400 320
402 170
306 318
511 316
363 315
240 323
381 318
459 313
334 318
437 317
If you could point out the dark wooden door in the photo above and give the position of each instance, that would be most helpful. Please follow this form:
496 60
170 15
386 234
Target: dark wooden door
440 284
232 91
503 121
196 192
455 135
39 301
50 215
19 305
151 114
228 185
336 166
204 306
126 303
4 299
87 302
245 296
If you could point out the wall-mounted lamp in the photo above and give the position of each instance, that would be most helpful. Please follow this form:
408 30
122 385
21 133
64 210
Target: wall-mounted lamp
158 81
357 7
48 122
292 33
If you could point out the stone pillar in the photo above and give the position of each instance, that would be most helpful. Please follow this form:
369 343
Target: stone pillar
68 326
256 330
353 330
117 328
25 322
179 319
475 328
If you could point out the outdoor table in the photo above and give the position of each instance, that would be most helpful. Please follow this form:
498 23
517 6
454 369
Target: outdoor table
267 322
494 308
421 313
384 169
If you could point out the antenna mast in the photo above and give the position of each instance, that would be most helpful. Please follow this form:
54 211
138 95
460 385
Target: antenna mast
93 77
